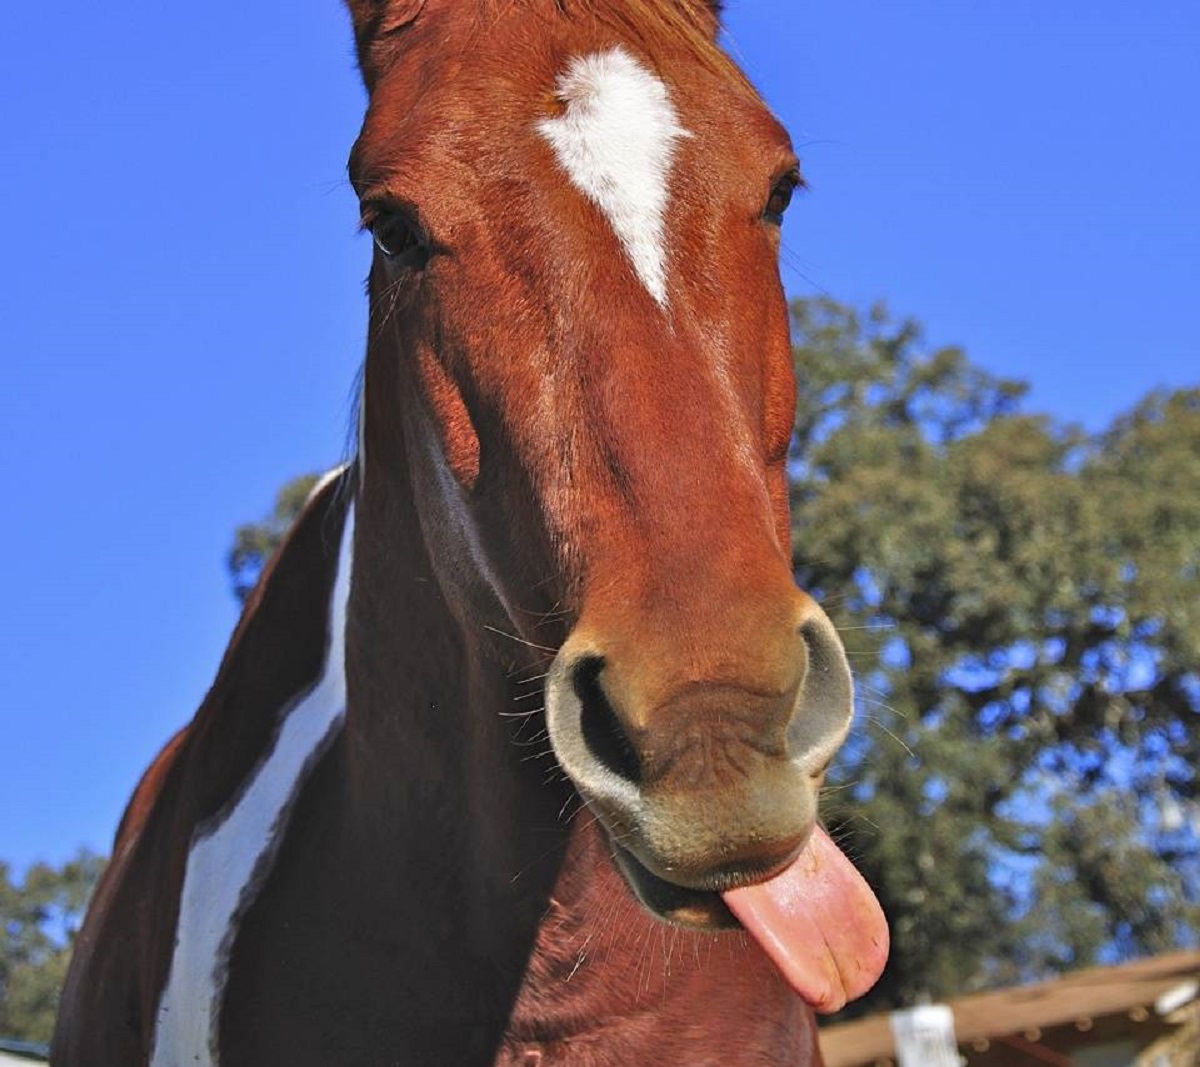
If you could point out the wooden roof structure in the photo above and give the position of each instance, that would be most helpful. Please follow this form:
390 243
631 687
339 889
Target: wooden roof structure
14 1053
1044 1022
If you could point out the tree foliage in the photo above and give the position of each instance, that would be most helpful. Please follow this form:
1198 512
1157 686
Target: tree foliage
1020 601
39 916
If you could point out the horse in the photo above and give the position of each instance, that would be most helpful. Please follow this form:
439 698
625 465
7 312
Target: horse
514 756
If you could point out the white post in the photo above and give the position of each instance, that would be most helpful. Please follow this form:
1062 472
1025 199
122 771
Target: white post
925 1036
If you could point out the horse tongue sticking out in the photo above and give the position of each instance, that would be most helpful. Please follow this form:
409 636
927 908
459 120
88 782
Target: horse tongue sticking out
819 923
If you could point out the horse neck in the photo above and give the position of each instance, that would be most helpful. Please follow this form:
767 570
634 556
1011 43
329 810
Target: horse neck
442 770
465 833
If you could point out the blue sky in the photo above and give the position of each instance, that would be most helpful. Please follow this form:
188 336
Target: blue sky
181 308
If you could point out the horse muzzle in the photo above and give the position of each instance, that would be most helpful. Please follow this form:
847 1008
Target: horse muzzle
704 770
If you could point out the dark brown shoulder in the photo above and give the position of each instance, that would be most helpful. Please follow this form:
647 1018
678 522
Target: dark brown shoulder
147 791
122 953
100 1011
276 654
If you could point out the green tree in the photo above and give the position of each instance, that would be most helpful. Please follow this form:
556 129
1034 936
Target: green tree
1020 602
39 916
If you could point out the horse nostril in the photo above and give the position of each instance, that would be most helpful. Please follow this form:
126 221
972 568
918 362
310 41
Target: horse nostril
822 714
603 733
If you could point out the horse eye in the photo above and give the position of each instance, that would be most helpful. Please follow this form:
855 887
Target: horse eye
399 239
781 197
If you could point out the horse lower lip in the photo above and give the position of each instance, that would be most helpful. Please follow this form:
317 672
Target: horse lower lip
721 878
674 903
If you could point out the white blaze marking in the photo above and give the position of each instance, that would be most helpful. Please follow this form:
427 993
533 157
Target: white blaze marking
228 864
616 140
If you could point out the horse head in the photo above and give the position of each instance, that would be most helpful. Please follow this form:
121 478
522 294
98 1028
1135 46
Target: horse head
580 356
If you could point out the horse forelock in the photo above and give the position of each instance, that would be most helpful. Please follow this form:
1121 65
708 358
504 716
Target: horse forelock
688 27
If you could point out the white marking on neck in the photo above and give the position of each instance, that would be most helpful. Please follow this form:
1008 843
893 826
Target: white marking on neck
228 863
616 140
321 483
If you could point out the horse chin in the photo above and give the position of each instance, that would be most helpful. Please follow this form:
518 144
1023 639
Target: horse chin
697 909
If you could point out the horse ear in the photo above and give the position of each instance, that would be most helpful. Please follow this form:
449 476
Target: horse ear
375 19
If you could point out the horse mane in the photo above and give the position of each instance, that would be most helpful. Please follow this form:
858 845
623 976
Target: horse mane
693 21
690 26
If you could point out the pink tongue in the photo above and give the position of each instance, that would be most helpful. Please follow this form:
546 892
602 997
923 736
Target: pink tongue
820 924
